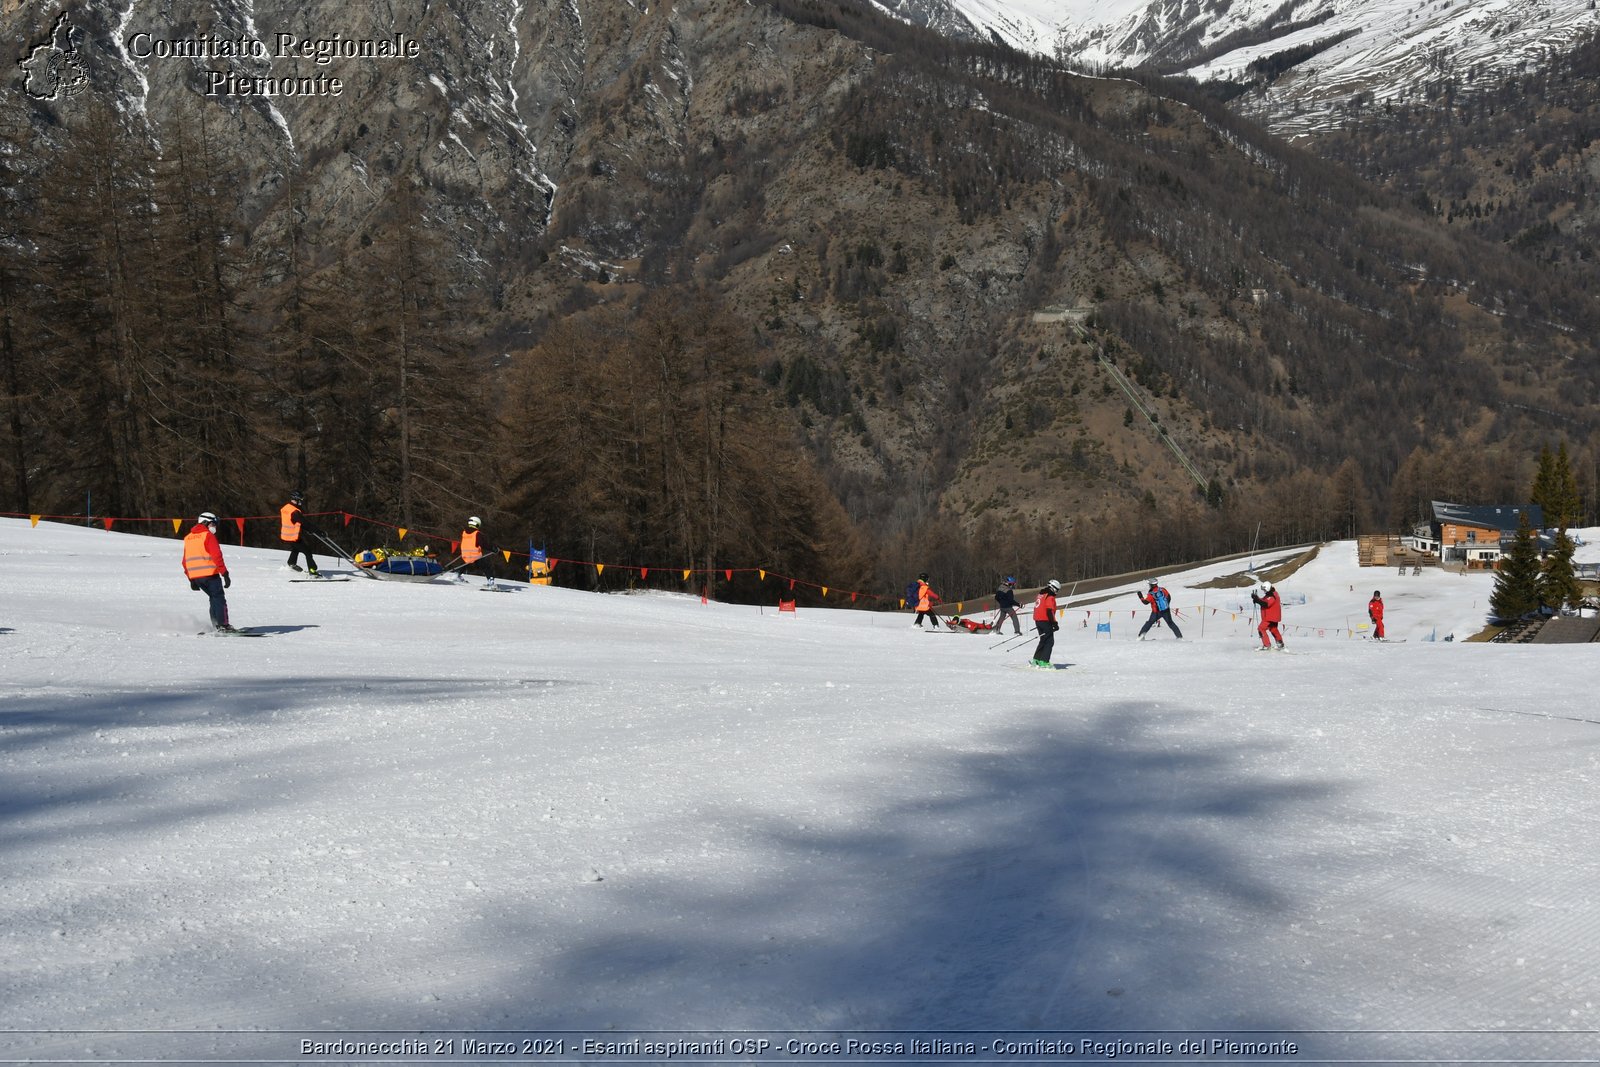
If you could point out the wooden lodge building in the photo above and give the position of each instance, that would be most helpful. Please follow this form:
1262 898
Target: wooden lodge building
1472 535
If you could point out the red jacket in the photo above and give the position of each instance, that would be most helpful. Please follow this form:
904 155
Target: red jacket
1375 609
202 554
1271 606
1044 609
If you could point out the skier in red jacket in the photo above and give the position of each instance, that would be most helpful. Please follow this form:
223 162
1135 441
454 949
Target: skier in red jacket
1271 614
1375 613
203 566
1044 620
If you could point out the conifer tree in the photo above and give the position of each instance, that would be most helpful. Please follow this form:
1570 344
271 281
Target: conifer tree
1516 584
1543 491
1569 505
1558 581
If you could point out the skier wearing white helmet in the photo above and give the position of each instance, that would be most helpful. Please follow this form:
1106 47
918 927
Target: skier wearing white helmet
1271 614
207 573
477 555
1160 602
1044 620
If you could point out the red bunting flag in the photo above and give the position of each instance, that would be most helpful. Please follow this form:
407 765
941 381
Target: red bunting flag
728 574
238 522
107 523
644 572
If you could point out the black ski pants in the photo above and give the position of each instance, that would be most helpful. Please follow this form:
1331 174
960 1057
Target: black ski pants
1164 615
1047 638
212 587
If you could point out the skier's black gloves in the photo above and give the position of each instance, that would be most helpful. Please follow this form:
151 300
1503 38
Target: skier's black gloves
194 583
227 582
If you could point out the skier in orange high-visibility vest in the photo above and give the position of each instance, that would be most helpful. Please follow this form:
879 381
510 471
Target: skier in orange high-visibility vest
926 599
292 529
207 573
477 555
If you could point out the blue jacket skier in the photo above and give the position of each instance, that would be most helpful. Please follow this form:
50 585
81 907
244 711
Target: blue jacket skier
1005 599
1160 602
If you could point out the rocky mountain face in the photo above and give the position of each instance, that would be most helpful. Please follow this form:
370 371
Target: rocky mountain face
979 290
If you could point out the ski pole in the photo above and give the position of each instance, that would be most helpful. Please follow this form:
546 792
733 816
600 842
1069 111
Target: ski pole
1013 641
341 553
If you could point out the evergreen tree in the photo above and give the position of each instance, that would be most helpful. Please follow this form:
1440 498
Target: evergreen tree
1543 492
1558 582
1568 503
1516 584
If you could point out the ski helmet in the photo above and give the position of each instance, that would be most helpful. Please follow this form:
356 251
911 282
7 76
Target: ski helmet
1376 594
474 522
922 577
208 518
1266 586
1010 580
1154 582
297 497
1053 585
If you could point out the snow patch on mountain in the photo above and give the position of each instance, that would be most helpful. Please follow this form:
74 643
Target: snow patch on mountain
1365 51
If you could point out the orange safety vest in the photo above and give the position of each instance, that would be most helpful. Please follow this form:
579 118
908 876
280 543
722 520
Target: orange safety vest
470 552
290 530
202 556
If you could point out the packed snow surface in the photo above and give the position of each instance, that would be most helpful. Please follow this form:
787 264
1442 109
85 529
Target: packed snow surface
427 813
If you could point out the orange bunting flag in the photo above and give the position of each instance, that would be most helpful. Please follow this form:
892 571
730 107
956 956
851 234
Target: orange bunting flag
902 602
599 569
402 530
506 552
177 524
107 523
34 519
961 609
763 575
824 591
686 574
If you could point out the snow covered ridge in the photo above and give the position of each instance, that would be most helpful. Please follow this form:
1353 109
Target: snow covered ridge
420 808
1377 49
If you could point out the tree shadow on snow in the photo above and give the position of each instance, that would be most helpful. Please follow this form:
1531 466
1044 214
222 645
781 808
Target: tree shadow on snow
1060 874
82 789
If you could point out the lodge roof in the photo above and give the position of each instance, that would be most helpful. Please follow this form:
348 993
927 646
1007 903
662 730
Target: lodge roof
1502 517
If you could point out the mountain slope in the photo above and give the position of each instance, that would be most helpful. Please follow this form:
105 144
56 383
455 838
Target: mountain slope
887 216
1298 62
